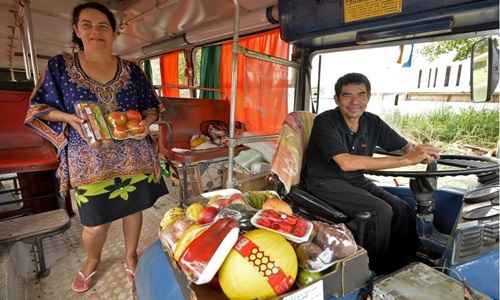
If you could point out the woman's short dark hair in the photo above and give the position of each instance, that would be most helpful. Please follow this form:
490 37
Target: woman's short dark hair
352 78
94 5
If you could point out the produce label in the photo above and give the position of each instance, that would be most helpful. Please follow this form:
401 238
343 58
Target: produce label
277 279
311 292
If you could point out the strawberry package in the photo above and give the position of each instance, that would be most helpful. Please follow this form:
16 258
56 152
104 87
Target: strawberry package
292 227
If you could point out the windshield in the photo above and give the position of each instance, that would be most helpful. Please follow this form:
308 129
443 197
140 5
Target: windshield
421 90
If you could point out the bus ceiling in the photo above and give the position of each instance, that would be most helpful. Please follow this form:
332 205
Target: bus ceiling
318 25
149 28
146 27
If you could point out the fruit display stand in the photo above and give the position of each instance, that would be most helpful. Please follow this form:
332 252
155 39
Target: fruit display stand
244 273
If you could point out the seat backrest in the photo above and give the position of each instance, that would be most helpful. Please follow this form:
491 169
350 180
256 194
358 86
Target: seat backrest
292 145
14 102
186 115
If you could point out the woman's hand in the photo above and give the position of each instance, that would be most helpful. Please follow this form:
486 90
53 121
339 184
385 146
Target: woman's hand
146 122
71 119
75 122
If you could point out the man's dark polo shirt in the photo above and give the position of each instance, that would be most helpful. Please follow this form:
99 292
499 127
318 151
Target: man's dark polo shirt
331 136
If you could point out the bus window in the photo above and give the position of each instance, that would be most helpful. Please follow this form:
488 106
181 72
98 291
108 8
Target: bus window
173 75
155 73
265 91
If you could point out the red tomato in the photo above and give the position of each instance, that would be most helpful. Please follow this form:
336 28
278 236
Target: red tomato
134 115
120 132
135 128
117 118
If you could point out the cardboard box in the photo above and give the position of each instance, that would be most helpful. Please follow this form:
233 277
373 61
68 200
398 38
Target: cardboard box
202 177
346 275
248 182
419 281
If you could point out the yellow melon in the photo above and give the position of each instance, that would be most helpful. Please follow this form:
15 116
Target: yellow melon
260 266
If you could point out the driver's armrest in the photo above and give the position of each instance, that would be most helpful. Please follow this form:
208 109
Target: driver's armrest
360 220
303 200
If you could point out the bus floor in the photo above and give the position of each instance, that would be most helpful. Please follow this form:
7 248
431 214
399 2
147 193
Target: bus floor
65 254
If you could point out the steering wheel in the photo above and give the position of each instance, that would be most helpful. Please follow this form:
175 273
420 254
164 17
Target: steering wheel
424 182
468 165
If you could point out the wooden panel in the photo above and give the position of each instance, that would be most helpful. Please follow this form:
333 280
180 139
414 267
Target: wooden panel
186 115
28 226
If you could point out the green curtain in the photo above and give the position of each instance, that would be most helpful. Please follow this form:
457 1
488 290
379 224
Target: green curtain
210 71
148 70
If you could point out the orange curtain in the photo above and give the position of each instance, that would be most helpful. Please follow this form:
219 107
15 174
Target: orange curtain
169 68
262 86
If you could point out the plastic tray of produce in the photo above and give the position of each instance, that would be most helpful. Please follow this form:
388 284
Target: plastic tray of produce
293 228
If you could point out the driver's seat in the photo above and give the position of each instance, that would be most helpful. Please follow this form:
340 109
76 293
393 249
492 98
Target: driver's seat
287 168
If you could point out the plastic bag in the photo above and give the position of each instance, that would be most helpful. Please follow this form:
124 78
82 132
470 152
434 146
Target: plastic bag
336 237
205 254
171 233
329 243
313 258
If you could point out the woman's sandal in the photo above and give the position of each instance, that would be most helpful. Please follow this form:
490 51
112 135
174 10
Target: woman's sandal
81 283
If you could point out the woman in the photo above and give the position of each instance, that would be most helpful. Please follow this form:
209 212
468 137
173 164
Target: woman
116 181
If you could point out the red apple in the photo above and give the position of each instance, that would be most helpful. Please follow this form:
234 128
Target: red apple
207 214
135 127
134 115
237 198
117 118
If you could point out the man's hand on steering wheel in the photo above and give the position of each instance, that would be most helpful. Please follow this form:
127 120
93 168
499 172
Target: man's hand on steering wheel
422 154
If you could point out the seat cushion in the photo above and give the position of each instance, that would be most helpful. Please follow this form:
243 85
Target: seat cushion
39 157
18 138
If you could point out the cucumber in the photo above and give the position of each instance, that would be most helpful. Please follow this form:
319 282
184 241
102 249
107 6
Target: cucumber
101 122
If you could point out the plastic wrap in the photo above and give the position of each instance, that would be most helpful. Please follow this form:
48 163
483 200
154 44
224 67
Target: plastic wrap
101 128
242 213
338 238
170 234
329 243
223 198
126 125
205 254
256 199
293 228
95 128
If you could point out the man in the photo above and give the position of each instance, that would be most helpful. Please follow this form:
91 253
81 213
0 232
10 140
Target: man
340 149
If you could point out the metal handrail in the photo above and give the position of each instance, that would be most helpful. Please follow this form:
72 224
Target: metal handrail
266 57
187 87
234 82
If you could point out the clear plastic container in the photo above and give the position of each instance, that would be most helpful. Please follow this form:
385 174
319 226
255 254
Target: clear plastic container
293 228
223 198
126 125
100 127
95 128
